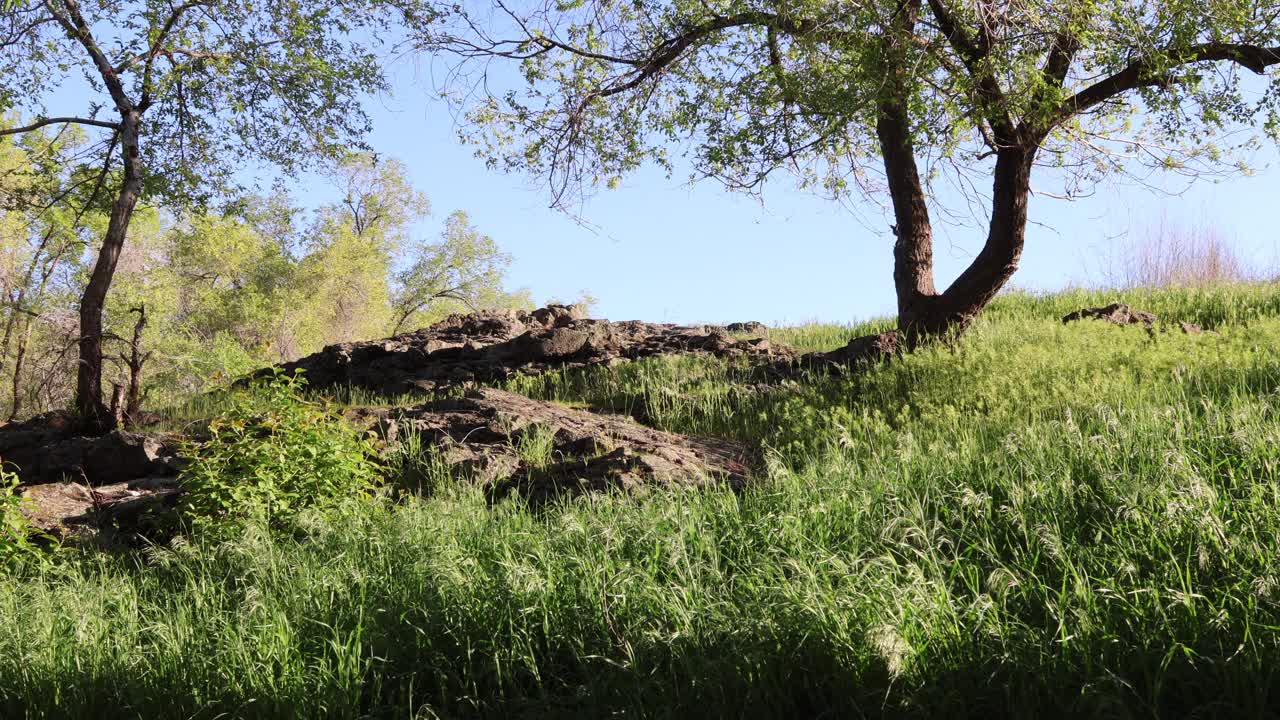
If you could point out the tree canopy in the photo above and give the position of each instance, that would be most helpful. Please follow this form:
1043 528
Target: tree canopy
872 97
749 88
188 94
225 291
220 83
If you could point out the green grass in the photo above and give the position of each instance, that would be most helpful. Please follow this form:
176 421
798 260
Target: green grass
1045 520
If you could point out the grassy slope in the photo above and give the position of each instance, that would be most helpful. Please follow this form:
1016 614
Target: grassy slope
1071 520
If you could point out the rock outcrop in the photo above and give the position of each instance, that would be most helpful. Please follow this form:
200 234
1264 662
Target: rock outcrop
480 434
752 327
493 346
99 490
106 516
51 448
1119 313
1116 313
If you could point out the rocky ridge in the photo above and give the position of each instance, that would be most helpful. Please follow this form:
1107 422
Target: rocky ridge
496 345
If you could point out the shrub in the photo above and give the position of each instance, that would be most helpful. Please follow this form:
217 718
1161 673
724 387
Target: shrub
16 535
272 454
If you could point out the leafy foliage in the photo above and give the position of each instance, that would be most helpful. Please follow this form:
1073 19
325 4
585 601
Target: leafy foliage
217 81
272 454
461 272
259 281
16 533
747 89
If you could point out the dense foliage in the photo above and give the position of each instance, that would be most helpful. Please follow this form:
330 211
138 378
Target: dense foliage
260 281
745 89
926 108
191 91
1044 520
16 534
270 455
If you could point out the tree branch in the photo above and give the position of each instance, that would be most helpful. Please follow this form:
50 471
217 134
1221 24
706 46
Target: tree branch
161 35
74 23
1060 56
1146 72
42 122
973 53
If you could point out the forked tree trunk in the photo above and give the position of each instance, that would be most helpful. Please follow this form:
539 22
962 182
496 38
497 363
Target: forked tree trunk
923 312
89 401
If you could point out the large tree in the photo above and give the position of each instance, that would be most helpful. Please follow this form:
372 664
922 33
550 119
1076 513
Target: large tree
462 271
874 96
185 94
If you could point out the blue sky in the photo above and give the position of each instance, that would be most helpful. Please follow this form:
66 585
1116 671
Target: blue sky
663 250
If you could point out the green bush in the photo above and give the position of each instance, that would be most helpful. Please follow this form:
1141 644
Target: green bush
271 454
16 537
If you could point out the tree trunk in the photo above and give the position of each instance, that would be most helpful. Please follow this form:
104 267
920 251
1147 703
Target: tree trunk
998 260
923 313
133 408
913 246
89 402
19 360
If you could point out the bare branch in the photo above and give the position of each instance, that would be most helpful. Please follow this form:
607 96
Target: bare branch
43 122
973 53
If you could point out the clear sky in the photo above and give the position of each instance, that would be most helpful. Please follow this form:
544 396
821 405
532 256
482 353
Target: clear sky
663 250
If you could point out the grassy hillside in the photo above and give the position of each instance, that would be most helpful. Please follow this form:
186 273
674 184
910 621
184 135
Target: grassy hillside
1044 520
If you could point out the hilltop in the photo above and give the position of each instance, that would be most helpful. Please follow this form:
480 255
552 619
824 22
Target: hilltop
1041 518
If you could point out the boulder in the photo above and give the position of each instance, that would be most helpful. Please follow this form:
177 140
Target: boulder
752 327
121 456
112 515
51 448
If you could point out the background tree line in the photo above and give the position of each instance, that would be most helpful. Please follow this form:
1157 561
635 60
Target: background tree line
222 291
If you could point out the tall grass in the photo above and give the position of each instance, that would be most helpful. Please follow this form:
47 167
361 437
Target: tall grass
1173 255
1042 520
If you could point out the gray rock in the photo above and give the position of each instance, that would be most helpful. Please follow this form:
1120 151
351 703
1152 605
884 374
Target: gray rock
478 433
121 456
489 346
1116 313
49 449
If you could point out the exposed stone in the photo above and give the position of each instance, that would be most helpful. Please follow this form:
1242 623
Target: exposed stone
123 456
50 448
859 353
1119 313
480 433
619 470
864 350
495 345
752 327
109 515
1116 313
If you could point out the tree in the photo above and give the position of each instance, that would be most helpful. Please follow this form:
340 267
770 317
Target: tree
359 242
873 96
49 199
464 270
185 93
378 200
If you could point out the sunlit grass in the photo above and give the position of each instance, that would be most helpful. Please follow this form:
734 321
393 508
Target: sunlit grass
1043 520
